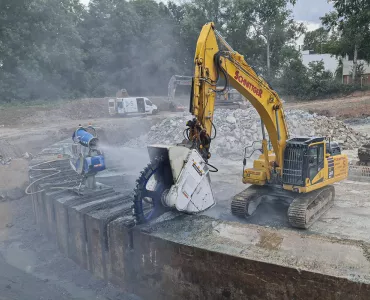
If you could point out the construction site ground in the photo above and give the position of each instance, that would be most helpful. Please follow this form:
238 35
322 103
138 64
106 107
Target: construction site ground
31 266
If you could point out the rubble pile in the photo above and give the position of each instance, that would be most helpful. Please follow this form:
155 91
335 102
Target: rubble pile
237 129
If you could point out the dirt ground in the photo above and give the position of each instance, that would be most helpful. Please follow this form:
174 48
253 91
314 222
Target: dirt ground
32 268
354 106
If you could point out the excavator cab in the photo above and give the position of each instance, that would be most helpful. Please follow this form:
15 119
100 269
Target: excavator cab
303 160
310 163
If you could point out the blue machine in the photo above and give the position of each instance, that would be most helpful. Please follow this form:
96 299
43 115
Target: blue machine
91 165
87 159
85 138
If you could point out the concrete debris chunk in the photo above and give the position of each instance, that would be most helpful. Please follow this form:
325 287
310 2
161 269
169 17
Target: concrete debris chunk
27 155
231 120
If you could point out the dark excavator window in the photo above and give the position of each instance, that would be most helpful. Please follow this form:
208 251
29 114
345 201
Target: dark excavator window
315 160
333 148
321 156
312 162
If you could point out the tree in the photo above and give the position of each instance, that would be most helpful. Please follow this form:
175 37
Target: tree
134 45
293 79
40 49
316 40
352 19
273 22
58 49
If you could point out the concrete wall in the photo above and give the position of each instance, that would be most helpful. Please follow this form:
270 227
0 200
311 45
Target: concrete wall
187 257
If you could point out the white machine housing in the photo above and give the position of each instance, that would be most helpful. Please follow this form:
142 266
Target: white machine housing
131 105
192 191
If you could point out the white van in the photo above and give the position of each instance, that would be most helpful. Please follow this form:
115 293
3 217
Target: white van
131 105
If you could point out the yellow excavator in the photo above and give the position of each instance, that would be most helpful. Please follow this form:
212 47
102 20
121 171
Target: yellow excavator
300 169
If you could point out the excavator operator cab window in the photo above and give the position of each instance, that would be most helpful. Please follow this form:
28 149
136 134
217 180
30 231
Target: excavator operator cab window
320 156
315 160
312 162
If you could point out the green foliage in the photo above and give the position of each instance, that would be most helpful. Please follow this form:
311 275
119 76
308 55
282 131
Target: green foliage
350 23
58 49
317 40
273 22
40 52
313 82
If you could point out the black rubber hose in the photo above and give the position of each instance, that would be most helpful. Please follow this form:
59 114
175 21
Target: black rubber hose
213 167
219 67
214 127
185 133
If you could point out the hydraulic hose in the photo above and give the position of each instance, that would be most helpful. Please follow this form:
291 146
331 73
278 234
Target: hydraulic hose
32 168
217 61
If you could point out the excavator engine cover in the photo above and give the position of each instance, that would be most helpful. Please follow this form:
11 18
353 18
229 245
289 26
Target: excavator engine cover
254 176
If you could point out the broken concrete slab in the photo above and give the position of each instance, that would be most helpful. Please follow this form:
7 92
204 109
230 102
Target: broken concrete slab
78 230
97 234
120 245
70 235
237 129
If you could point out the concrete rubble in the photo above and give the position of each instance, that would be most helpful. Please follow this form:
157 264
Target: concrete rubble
237 129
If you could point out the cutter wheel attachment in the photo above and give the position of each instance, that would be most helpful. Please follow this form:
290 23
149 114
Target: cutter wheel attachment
154 180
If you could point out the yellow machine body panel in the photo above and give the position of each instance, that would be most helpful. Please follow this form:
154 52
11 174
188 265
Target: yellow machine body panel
257 175
327 175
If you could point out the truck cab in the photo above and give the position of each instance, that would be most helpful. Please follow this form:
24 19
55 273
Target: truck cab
149 106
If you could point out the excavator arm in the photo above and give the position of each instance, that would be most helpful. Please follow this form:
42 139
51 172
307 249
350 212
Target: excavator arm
212 62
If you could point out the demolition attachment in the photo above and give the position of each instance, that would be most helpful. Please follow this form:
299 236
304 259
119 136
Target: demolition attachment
177 177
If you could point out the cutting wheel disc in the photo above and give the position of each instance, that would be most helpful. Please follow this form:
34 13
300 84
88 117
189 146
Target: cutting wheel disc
153 181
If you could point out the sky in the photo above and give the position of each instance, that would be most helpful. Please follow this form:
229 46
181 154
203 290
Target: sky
306 11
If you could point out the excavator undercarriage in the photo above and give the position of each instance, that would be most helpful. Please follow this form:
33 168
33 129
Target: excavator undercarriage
304 209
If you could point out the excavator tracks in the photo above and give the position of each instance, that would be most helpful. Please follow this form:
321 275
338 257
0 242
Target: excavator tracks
246 202
303 211
308 208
